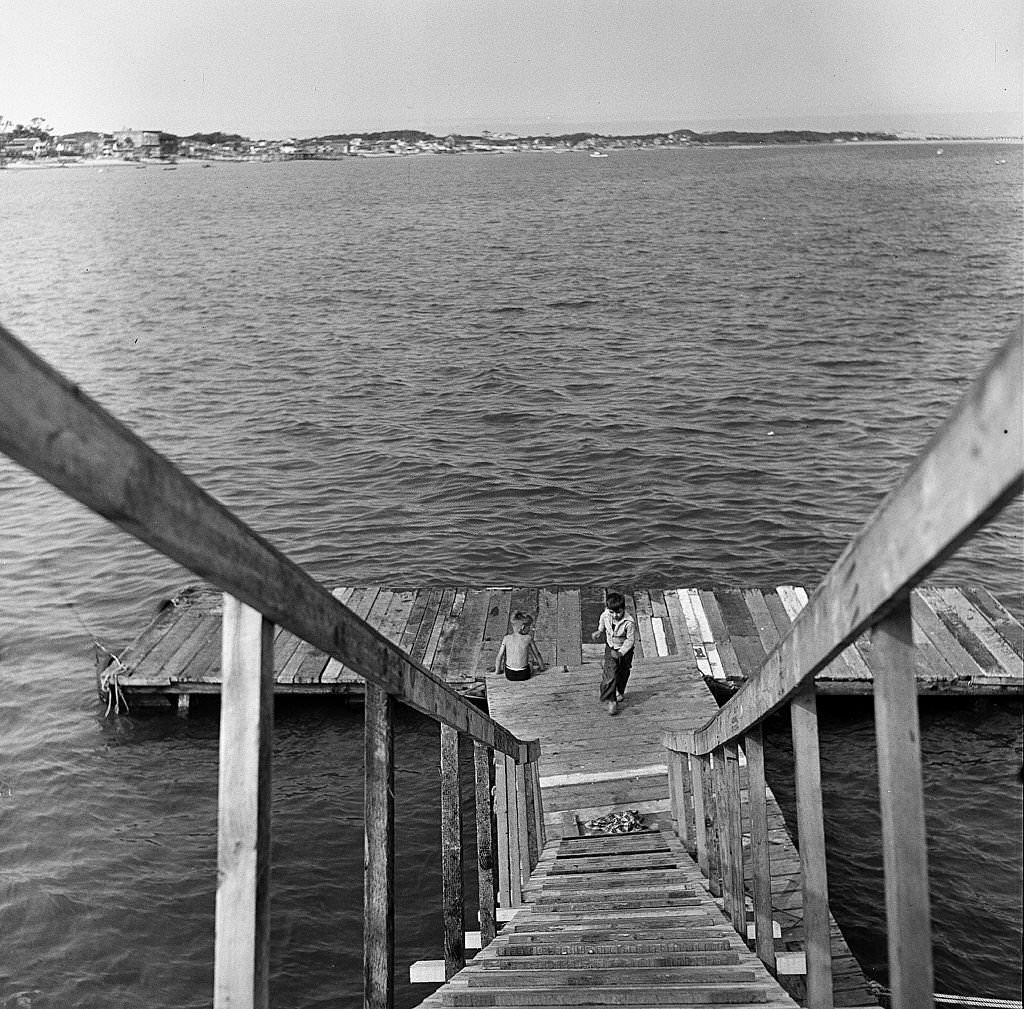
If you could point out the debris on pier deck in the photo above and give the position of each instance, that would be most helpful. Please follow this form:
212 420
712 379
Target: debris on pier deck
593 764
617 920
967 641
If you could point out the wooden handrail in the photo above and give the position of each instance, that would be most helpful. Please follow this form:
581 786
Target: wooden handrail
51 427
971 468
967 473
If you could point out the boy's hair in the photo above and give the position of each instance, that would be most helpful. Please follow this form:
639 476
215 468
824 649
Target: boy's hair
615 601
520 620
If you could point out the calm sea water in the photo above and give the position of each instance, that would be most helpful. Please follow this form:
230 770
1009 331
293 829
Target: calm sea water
660 368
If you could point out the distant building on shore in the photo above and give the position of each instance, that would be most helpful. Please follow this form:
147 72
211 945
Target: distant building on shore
145 144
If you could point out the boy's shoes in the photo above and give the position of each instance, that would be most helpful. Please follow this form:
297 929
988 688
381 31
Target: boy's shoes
619 697
612 707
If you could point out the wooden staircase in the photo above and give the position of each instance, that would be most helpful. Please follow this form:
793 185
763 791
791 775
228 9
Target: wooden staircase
623 919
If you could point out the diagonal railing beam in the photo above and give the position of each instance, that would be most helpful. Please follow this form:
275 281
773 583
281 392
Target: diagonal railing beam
49 426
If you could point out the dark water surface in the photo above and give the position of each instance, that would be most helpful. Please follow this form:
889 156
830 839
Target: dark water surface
661 368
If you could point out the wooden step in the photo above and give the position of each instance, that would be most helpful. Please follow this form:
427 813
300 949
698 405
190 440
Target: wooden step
608 977
638 995
621 955
663 941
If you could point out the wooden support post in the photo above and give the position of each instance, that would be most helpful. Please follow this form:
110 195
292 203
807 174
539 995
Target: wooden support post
760 848
538 805
677 797
451 854
688 805
811 828
902 800
515 826
530 799
708 779
378 850
484 841
524 812
700 822
183 705
721 806
242 944
502 830
736 905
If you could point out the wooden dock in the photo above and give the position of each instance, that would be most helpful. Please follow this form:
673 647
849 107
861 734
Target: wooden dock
967 640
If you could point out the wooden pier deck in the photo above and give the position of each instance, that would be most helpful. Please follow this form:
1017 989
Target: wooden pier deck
619 920
593 764
967 641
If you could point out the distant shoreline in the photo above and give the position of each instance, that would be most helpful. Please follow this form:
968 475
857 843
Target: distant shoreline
199 161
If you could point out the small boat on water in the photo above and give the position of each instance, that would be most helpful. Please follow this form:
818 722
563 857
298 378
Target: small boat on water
598 154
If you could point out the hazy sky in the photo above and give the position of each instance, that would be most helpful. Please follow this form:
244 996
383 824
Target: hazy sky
273 68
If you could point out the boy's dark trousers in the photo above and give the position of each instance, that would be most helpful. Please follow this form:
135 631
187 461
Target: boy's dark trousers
615 673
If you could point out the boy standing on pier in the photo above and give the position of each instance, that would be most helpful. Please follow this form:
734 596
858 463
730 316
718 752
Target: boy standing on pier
619 630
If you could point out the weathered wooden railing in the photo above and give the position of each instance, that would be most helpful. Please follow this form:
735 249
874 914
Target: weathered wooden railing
49 426
970 470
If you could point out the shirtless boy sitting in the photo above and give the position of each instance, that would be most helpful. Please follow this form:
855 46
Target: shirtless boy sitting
518 650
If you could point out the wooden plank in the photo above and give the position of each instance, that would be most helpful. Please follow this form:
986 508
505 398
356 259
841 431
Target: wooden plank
700 634
378 850
451 854
177 636
525 599
204 665
962 663
742 631
677 797
441 620
546 625
990 650
431 604
568 648
811 830
412 625
904 845
732 821
644 627
242 933
762 619
1004 622
971 468
484 841
205 635
524 816
449 634
685 646
664 632
760 848
720 634
536 800
136 655
397 616
515 860
502 831
467 641
712 850
496 626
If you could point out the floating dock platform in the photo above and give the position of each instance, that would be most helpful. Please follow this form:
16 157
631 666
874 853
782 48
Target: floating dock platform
968 642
